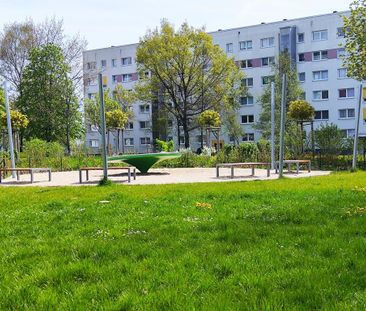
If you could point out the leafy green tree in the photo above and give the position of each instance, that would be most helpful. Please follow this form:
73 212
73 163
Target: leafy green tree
355 33
301 110
48 98
283 65
187 72
116 120
209 118
19 121
92 108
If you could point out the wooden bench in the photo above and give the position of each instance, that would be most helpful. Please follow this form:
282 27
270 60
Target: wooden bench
252 165
31 171
297 162
87 169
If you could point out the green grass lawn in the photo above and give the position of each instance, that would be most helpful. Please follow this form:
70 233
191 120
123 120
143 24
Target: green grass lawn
266 245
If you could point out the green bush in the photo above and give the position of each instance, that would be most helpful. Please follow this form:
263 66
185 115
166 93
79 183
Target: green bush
35 151
165 146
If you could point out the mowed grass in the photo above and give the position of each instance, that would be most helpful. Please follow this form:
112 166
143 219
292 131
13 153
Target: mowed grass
265 245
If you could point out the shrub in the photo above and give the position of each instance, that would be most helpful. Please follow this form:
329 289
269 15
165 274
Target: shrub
35 151
164 146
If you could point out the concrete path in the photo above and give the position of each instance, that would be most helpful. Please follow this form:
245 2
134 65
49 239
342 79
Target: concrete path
155 176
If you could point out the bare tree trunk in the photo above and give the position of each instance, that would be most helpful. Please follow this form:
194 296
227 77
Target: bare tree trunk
123 141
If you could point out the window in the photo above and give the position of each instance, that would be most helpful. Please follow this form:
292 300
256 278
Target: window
144 108
268 61
301 57
341 32
342 73
248 137
114 62
321 95
346 113
346 93
144 124
115 78
129 126
247 100
349 133
181 140
91 65
248 82
247 63
302 76
267 42
320 55
94 143
129 142
126 61
246 45
126 77
246 119
300 37
341 53
103 63
229 48
91 81
320 35
320 75
145 140
321 115
267 79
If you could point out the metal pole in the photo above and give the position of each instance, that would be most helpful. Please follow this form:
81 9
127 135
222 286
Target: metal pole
273 159
102 119
10 131
282 130
355 142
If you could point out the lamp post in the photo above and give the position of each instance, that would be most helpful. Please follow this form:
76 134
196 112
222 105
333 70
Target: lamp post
282 130
104 130
10 131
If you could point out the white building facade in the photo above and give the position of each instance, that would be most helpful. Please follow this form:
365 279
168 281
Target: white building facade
315 44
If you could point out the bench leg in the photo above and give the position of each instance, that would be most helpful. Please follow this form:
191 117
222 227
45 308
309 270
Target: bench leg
232 172
134 174
252 170
129 175
297 168
80 176
289 167
32 177
49 175
87 175
217 172
268 171
309 167
18 176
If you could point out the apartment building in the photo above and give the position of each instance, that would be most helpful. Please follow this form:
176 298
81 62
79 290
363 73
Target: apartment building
314 43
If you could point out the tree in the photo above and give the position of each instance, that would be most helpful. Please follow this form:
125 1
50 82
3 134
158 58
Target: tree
92 108
116 120
301 110
48 98
19 38
355 33
283 65
188 73
209 118
18 123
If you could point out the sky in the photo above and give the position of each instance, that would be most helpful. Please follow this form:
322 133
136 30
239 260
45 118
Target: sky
117 22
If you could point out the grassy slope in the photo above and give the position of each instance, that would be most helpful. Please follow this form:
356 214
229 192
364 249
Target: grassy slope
262 245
